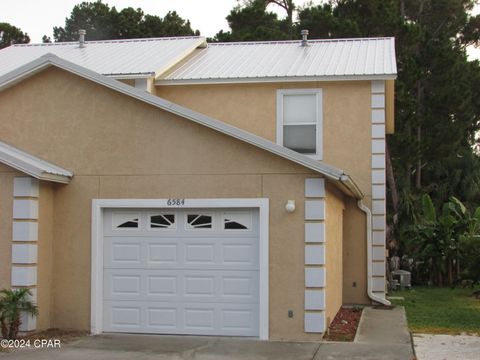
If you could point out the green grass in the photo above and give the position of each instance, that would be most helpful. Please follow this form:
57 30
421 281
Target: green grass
441 310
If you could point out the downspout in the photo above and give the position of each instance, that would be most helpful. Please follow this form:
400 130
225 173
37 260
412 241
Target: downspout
347 181
370 293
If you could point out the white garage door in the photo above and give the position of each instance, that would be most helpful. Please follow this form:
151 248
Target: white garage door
181 271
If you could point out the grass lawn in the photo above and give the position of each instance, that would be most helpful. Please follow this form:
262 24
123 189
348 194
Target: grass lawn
440 310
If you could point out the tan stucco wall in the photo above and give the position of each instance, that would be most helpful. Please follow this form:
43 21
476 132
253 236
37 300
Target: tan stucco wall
119 147
6 208
334 245
354 255
45 252
346 143
252 107
389 106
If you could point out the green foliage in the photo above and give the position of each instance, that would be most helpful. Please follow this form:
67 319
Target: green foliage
444 244
12 304
441 310
253 22
10 34
102 22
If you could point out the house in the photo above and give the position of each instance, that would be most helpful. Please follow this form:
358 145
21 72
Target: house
171 186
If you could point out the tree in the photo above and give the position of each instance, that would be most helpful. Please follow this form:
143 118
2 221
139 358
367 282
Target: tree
253 22
287 5
12 304
10 34
102 22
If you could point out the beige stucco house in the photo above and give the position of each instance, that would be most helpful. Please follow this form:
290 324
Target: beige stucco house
171 186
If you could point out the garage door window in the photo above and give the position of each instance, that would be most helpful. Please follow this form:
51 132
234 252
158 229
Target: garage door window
162 221
125 221
199 221
237 221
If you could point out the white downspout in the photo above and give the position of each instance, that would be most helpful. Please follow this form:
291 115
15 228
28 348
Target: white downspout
370 293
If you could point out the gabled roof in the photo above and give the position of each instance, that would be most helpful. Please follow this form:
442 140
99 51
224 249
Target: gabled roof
334 59
32 165
116 58
338 176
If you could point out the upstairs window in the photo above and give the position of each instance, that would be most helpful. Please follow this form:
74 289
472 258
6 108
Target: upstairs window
299 120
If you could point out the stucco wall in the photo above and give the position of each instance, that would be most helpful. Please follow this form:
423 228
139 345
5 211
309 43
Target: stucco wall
354 255
119 147
334 245
252 107
6 207
45 251
346 142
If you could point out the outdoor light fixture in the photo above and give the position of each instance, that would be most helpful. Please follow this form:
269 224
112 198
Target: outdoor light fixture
290 207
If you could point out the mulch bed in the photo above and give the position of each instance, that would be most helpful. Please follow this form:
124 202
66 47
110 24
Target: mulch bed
65 336
344 326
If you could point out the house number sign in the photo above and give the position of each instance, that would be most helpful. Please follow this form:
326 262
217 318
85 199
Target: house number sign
175 202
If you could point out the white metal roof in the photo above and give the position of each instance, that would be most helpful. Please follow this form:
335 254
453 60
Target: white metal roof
339 177
333 59
116 58
32 165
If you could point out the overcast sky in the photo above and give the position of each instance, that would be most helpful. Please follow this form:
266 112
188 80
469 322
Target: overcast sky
38 17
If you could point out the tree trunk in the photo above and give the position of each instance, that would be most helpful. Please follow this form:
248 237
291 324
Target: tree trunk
14 327
450 272
4 329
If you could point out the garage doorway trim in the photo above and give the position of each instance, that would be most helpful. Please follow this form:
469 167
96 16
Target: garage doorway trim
98 206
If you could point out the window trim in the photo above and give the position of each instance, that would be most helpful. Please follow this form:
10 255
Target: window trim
319 125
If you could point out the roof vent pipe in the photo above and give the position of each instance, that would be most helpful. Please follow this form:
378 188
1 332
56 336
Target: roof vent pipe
304 34
81 38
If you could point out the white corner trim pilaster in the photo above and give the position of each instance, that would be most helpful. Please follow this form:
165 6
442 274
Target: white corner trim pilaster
378 188
315 256
24 235
98 206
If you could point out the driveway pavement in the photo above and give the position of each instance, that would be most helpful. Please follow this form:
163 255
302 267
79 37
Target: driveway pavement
382 334
447 347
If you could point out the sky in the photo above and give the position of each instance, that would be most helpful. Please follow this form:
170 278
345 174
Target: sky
38 17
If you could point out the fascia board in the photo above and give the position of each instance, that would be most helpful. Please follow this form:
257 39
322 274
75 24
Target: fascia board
283 79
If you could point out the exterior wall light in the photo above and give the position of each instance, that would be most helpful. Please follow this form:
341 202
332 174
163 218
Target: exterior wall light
290 207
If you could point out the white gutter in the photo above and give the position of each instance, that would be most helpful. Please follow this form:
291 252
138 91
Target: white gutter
370 293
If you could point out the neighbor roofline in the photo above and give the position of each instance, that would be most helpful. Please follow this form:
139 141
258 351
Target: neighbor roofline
266 42
48 60
266 79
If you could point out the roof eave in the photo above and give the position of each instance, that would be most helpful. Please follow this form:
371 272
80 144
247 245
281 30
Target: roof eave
275 79
34 171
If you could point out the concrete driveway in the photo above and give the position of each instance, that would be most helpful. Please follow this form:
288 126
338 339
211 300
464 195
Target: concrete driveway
381 335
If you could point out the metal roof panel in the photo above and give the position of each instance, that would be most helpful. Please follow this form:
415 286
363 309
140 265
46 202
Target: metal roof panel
283 59
108 57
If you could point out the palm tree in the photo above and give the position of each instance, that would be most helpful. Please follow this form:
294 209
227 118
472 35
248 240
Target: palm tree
12 304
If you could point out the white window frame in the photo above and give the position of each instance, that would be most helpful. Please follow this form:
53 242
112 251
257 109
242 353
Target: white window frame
98 208
319 125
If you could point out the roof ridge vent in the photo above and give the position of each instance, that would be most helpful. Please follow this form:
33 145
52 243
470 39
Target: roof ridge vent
304 34
81 38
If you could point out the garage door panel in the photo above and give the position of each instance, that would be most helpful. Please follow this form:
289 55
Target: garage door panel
184 318
161 254
145 253
164 275
181 285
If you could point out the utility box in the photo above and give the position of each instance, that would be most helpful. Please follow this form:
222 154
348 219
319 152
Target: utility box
403 277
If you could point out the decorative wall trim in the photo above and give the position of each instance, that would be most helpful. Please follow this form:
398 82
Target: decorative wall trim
25 228
25 231
315 248
378 187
